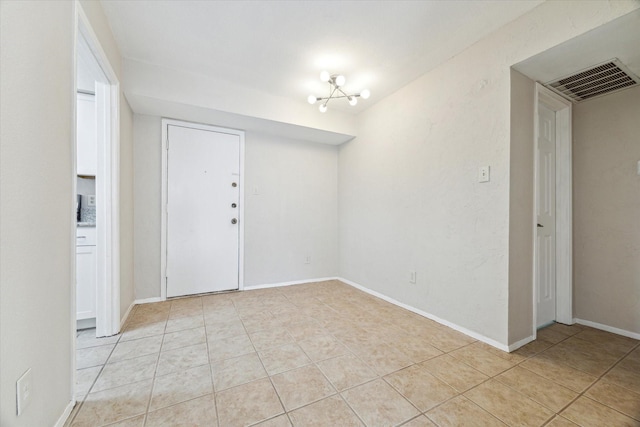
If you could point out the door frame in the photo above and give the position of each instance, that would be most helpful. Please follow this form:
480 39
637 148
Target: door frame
107 188
163 207
564 205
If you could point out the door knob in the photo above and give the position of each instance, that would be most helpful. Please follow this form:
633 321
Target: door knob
540 225
234 221
233 184
233 205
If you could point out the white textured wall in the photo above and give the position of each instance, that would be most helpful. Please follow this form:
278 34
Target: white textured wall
521 198
606 211
147 172
37 221
409 197
127 288
294 214
36 207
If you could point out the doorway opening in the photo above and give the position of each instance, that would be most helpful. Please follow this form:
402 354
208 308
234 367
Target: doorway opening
552 255
96 148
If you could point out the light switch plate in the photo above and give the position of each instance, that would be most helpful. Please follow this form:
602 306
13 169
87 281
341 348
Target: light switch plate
484 174
23 392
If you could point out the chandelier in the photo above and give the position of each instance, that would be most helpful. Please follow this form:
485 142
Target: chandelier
336 81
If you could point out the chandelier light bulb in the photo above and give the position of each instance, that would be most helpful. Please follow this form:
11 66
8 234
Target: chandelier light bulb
312 99
323 108
340 80
325 76
353 100
365 94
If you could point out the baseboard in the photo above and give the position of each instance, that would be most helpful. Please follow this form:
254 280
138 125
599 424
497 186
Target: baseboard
437 319
65 415
126 315
608 328
86 323
295 282
246 288
518 344
147 300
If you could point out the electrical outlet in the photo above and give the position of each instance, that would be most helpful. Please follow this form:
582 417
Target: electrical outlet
307 259
91 200
23 392
255 190
412 277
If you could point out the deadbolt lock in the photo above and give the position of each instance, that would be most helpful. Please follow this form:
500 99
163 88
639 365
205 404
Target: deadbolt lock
234 221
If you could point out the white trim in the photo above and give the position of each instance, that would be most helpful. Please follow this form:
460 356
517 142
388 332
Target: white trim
65 415
163 233
564 216
108 188
86 29
126 314
608 328
518 344
241 216
564 195
451 325
163 213
74 189
107 214
295 282
148 300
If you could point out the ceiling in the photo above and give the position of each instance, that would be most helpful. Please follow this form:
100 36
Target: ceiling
280 47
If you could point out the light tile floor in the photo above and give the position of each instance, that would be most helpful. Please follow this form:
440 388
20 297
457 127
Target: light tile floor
326 354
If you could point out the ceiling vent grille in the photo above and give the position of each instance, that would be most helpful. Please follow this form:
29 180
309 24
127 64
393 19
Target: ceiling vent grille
611 76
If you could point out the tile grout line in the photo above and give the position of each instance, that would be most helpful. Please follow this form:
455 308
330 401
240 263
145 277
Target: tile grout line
462 394
93 383
155 371
378 376
554 413
579 394
598 379
265 370
206 341
325 325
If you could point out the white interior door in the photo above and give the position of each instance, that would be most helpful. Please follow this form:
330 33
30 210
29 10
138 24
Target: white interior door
546 217
203 192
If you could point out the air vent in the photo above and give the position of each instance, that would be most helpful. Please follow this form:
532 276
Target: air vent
611 76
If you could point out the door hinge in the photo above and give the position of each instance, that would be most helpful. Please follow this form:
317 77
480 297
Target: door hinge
167 143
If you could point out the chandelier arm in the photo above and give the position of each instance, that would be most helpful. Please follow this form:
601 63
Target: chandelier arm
331 94
345 95
338 97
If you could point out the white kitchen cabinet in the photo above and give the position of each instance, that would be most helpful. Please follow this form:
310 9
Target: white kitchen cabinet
86 273
87 150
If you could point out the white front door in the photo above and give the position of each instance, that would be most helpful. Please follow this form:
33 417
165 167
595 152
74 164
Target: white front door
546 217
203 192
